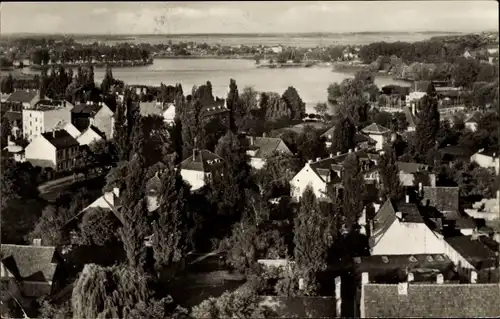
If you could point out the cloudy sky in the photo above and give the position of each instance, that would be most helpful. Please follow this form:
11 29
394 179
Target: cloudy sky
247 17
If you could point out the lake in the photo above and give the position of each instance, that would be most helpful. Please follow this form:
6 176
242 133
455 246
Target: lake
311 83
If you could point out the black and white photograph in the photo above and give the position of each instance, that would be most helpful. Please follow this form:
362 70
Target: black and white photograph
249 159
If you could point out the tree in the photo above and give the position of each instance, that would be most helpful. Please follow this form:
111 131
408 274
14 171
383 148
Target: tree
133 214
6 131
7 84
321 109
343 136
427 126
294 103
232 103
389 174
465 72
243 303
107 81
312 237
353 193
170 229
50 227
43 84
120 137
137 138
274 177
310 145
117 292
98 227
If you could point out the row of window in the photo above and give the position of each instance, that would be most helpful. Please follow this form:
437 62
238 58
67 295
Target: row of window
65 165
66 153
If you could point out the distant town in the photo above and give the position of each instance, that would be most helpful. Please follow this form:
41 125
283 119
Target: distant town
166 201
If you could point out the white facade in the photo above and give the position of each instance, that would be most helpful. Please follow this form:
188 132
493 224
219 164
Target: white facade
414 238
195 178
89 136
41 150
257 163
71 129
307 177
414 96
36 122
380 139
472 126
486 161
169 114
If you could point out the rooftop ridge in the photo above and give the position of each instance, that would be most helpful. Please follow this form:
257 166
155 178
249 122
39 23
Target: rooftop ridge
17 245
435 284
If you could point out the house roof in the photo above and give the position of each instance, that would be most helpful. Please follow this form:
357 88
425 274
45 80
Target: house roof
410 211
381 222
83 108
491 152
60 139
358 137
374 128
217 108
442 198
151 108
474 118
22 96
431 301
33 263
96 130
411 168
422 261
202 161
473 250
410 118
265 146
14 116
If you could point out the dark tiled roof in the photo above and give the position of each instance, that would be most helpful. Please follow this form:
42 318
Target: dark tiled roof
34 263
374 128
474 118
384 218
265 146
455 151
442 198
411 168
83 108
217 108
22 96
429 261
432 301
60 139
474 251
491 152
410 211
202 161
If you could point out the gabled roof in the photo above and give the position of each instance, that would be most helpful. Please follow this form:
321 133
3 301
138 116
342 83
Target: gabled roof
265 146
358 137
382 221
474 118
22 96
442 198
410 118
151 108
60 139
490 152
416 261
202 161
431 301
33 263
374 128
411 168
473 250
95 130
83 108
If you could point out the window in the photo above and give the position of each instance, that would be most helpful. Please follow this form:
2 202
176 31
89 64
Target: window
413 259
385 259
430 259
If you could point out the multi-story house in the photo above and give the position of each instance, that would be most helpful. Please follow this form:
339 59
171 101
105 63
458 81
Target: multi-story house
45 116
26 98
56 149
14 113
97 114
378 133
199 167
218 111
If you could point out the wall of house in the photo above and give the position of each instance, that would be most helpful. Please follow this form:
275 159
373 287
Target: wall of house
36 289
380 140
304 178
169 114
257 163
65 158
414 238
32 124
463 266
485 161
88 137
41 149
471 126
103 121
195 178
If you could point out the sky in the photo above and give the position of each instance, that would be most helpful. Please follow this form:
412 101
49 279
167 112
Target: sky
247 17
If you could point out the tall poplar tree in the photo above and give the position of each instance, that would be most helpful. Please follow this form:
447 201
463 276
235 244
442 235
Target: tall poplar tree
343 136
427 126
353 183
389 174
232 104
120 134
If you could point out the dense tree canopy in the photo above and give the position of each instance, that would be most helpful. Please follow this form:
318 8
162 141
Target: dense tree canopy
427 126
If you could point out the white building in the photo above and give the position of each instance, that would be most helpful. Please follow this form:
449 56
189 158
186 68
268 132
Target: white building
414 97
57 150
27 98
199 167
472 121
487 159
90 135
262 147
378 133
44 116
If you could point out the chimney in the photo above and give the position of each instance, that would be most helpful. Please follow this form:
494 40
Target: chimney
338 296
407 199
309 161
411 278
420 189
403 288
195 151
37 242
365 278
251 140
331 155
338 153
318 159
350 150
399 215
473 277
440 279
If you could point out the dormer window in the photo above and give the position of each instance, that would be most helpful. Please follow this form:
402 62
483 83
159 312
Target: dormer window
430 259
439 258
385 259
413 259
